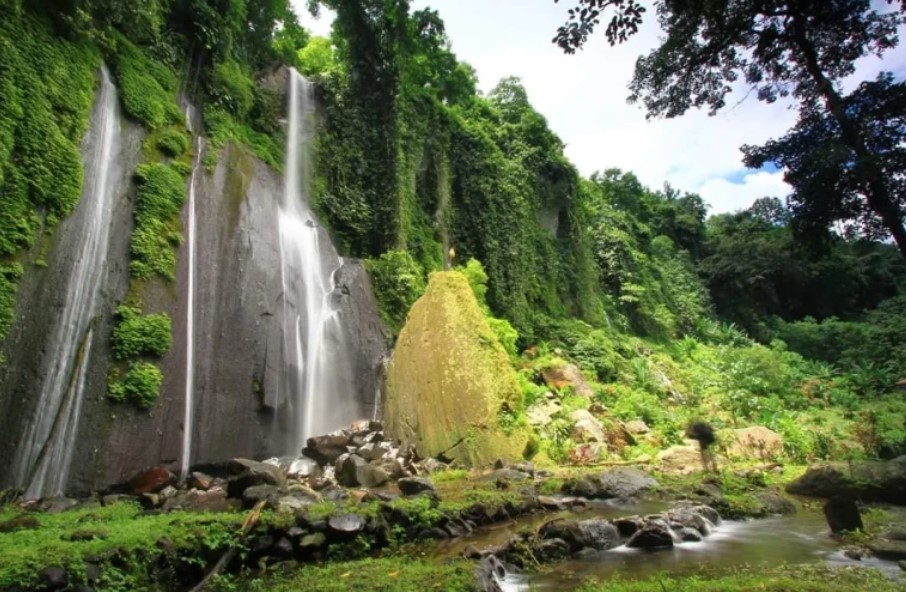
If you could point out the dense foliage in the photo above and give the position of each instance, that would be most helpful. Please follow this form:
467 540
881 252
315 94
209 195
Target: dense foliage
46 89
844 157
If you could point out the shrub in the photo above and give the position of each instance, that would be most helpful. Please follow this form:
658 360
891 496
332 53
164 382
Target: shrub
161 192
398 282
136 334
152 251
173 143
232 89
140 386
147 88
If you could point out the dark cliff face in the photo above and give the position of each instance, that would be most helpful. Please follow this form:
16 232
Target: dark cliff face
43 293
237 333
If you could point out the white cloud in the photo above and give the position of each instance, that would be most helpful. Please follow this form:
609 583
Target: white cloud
725 196
583 97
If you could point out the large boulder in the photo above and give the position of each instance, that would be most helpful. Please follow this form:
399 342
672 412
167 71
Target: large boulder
680 459
755 442
587 428
868 481
623 483
450 380
150 480
842 514
567 375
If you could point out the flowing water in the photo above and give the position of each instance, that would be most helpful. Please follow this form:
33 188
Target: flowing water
189 409
797 539
316 385
45 452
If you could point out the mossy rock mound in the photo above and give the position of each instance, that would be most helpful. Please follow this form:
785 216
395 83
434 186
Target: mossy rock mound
450 381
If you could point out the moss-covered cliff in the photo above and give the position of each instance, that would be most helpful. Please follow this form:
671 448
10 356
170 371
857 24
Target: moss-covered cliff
450 381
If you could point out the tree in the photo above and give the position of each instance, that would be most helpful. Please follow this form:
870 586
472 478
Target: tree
781 48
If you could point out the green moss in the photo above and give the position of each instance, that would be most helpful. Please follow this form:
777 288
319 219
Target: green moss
147 88
450 381
140 386
161 193
798 578
136 334
131 535
46 90
223 127
398 281
173 143
389 573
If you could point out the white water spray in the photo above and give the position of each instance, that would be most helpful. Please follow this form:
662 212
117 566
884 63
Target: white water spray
45 452
189 410
315 388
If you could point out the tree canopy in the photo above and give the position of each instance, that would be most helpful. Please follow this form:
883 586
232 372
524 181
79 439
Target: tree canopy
843 159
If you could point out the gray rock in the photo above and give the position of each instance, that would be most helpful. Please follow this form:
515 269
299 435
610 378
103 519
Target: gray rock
53 578
372 476
621 482
257 493
345 526
347 469
595 533
415 485
248 473
887 549
653 535
303 467
842 515
371 452
506 475
869 481
56 505
689 535
312 541
328 448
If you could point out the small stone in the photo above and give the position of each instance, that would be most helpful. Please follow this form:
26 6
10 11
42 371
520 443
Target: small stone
304 468
346 526
312 541
328 448
655 535
54 578
266 493
283 548
23 522
56 505
150 480
415 485
199 480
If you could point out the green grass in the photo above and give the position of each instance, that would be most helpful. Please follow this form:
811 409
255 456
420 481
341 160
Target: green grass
779 579
126 528
388 574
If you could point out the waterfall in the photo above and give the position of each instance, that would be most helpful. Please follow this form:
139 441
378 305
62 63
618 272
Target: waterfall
45 451
189 405
315 383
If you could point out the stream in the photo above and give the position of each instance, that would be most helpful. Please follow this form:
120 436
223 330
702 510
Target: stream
801 538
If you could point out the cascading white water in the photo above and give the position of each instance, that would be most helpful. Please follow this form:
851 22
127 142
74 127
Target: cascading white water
189 409
45 452
314 387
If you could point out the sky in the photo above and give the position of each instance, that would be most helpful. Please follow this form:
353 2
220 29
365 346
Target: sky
583 97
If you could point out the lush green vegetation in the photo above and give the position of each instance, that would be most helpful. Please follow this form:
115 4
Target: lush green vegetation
120 538
140 335
388 573
46 87
792 578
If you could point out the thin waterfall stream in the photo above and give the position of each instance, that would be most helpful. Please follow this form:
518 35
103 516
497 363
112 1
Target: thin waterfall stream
45 453
189 405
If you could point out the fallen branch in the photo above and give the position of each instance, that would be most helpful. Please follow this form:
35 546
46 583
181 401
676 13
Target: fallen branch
247 525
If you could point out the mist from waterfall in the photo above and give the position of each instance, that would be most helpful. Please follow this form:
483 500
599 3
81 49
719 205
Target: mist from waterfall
317 392
45 452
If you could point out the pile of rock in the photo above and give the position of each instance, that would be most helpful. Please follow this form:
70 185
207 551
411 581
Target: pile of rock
566 537
357 457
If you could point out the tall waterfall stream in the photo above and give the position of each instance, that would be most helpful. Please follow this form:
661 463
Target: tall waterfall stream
45 452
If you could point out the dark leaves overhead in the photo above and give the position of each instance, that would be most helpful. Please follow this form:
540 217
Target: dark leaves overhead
585 17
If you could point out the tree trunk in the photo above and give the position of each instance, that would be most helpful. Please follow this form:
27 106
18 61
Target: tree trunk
876 192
